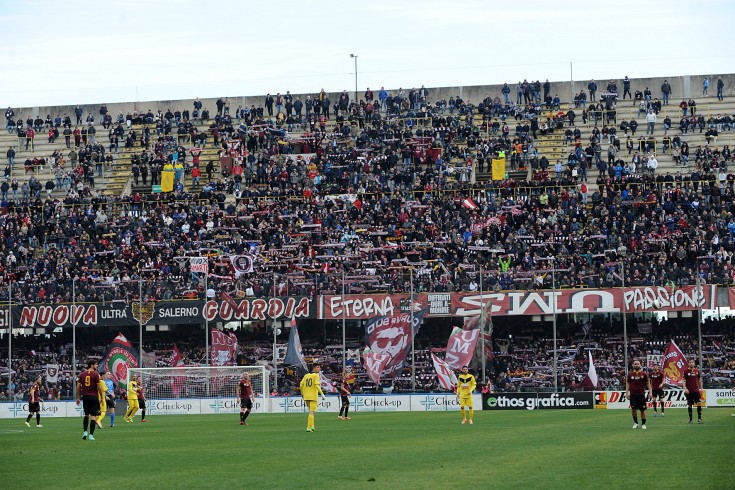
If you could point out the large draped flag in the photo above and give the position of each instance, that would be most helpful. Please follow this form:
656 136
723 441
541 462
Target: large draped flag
673 364
498 168
294 351
120 357
445 374
167 178
374 364
461 347
391 335
223 349
483 322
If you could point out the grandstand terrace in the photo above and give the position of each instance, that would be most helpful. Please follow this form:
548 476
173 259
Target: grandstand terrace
384 195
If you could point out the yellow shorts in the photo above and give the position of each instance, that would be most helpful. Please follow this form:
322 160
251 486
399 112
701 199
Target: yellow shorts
465 402
311 405
133 405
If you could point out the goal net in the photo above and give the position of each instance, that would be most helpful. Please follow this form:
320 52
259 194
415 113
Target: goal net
200 382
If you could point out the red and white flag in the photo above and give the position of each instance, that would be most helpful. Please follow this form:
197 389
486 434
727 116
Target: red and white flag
177 382
374 364
592 372
326 383
444 373
461 347
223 349
673 364
469 204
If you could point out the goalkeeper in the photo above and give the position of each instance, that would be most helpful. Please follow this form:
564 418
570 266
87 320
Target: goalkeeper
465 387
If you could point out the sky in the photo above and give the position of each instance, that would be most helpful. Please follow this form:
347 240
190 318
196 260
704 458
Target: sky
94 51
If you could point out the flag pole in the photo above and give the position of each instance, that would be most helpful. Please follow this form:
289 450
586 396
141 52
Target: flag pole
553 303
140 318
74 337
482 330
625 321
10 335
275 351
413 344
206 321
344 322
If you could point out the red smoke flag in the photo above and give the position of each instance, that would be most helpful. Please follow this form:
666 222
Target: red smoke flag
469 204
444 373
461 347
374 364
673 364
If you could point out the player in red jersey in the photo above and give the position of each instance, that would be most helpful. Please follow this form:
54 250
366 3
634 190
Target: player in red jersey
245 388
88 388
635 389
344 393
34 403
693 389
141 398
657 383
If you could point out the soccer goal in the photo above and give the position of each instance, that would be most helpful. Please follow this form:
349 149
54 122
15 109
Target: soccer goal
200 382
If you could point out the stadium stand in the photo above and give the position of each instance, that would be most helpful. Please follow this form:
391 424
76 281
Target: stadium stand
322 185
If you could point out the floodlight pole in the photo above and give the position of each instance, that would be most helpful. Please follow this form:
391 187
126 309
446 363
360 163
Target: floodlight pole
553 305
140 317
275 339
74 336
413 342
10 334
482 330
344 328
625 320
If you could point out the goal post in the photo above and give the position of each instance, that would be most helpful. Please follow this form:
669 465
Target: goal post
218 383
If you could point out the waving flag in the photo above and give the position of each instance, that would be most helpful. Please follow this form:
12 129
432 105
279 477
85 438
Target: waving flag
223 348
119 358
326 383
673 365
294 351
177 382
445 374
461 347
375 364
592 372
391 335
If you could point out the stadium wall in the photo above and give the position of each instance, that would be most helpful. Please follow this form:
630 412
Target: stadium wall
682 87
427 402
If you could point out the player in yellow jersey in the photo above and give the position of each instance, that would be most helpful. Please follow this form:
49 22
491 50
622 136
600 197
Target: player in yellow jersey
311 388
132 400
465 387
103 400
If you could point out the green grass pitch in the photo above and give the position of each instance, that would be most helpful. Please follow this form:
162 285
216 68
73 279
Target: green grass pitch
511 449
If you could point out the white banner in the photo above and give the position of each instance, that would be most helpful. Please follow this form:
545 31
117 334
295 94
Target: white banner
199 264
19 409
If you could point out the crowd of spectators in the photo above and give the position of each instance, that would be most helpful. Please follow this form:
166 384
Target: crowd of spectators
522 361
391 186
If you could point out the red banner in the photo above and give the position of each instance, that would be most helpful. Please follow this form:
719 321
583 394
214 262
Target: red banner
545 302
461 347
223 350
673 365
